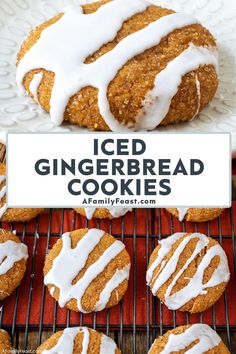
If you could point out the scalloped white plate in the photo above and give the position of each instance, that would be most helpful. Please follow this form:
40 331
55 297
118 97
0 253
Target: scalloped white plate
20 113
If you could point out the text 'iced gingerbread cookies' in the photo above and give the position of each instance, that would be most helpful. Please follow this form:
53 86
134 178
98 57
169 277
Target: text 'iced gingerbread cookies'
188 272
107 66
87 270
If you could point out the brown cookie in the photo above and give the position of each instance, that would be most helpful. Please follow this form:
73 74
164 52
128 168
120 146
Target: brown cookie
79 340
102 213
188 272
87 270
13 214
127 92
198 337
196 214
13 257
5 342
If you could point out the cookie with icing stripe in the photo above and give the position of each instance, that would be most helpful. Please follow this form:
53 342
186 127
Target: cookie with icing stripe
78 340
102 213
188 272
196 214
197 338
13 259
87 270
5 342
13 214
107 66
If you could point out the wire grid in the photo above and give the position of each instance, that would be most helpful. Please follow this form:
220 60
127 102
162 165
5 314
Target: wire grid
138 337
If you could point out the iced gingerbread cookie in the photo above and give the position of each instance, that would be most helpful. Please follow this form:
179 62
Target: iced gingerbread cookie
5 342
87 270
13 259
102 213
13 214
196 214
197 338
188 272
107 66
78 340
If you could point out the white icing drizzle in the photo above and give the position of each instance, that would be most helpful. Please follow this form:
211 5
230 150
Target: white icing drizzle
119 276
158 100
182 213
34 85
10 253
2 178
195 286
72 261
3 209
108 346
65 343
115 212
166 246
89 212
52 290
72 74
2 194
208 339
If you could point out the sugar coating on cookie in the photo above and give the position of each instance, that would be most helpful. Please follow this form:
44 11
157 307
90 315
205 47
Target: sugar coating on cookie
78 340
87 270
194 339
103 213
13 257
188 272
13 214
143 66
196 214
5 342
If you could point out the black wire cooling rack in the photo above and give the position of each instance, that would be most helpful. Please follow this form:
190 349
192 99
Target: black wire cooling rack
145 228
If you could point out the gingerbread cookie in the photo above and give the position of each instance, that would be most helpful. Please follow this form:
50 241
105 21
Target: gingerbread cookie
102 213
130 67
5 342
197 338
78 340
13 214
13 259
87 270
188 272
196 214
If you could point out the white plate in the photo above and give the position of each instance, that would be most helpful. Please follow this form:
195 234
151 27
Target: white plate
18 17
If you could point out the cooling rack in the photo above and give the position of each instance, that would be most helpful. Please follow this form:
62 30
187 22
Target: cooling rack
30 315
